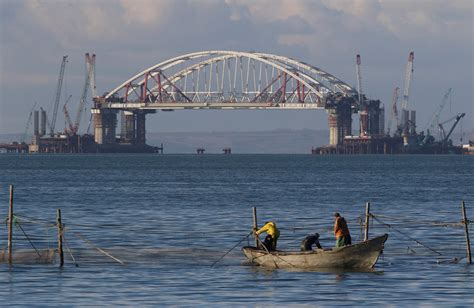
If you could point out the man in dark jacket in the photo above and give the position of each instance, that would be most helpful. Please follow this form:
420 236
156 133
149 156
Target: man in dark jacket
309 241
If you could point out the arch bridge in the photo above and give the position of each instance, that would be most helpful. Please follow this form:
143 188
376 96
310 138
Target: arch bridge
223 80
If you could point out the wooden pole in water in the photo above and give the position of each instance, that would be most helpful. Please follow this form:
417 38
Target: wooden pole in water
367 216
60 237
10 226
466 230
255 224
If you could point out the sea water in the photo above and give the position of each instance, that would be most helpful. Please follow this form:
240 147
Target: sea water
169 218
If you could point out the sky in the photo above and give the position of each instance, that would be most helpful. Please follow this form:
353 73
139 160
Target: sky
129 36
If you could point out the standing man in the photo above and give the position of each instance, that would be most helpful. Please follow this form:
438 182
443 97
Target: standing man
272 235
341 231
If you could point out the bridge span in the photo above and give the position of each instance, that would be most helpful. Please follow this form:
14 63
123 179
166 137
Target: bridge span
230 80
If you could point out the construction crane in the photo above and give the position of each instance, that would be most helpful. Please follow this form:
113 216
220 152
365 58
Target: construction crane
58 95
445 137
89 72
363 108
408 77
67 117
406 89
23 138
92 85
393 111
434 122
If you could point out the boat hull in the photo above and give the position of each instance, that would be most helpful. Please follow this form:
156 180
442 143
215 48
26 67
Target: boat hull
362 255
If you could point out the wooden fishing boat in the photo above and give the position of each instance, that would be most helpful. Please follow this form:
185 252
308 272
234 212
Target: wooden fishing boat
362 255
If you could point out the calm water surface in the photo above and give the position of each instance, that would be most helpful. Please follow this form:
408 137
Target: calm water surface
170 217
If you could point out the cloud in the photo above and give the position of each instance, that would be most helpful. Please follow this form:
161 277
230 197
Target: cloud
417 19
71 22
129 36
145 12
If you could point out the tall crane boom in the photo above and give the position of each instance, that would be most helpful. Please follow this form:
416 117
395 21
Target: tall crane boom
435 119
92 84
89 72
408 77
58 95
66 115
393 110
457 118
23 138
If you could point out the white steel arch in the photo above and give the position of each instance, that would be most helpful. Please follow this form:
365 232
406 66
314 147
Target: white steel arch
231 77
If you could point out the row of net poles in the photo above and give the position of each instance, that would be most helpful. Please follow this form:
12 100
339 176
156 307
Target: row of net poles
10 231
465 221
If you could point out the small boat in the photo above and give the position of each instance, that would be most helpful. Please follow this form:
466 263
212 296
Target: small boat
362 255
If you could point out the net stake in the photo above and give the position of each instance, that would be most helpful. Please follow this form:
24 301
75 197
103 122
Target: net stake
466 231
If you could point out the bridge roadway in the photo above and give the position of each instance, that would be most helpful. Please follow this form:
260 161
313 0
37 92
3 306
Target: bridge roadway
210 105
230 80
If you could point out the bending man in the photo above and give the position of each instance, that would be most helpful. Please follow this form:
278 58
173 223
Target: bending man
309 241
272 235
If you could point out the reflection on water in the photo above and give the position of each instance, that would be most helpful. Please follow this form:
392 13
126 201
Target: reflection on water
169 218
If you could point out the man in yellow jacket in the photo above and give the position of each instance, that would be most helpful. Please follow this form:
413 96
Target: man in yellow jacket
272 235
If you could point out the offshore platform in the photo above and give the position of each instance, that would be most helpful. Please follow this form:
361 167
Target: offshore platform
376 138
229 80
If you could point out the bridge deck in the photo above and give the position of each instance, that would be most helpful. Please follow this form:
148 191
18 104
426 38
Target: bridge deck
211 105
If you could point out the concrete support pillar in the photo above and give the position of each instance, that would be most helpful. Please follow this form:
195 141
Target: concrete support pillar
374 121
140 128
105 123
128 132
110 125
347 123
363 123
36 123
332 119
340 124
98 134
42 130
382 121
413 122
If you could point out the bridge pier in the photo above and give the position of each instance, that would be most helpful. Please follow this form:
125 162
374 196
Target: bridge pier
128 127
105 123
141 132
371 119
134 127
340 124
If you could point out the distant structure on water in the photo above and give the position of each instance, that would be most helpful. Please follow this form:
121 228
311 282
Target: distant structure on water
229 80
